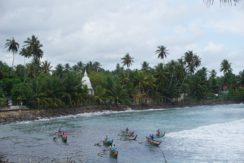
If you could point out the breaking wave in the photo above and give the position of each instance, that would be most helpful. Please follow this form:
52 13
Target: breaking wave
222 141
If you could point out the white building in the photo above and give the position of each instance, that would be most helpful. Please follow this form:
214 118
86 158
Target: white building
86 82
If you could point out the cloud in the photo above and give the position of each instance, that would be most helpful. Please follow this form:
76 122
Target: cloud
213 47
105 31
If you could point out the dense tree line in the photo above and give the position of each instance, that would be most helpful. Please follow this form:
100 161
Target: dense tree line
38 85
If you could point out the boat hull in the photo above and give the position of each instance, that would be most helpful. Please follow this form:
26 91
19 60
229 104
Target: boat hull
107 143
114 153
153 142
160 135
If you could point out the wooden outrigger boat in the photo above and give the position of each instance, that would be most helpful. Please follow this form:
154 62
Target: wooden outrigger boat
153 142
127 133
107 143
130 137
62 135
114 153
64 139
160 135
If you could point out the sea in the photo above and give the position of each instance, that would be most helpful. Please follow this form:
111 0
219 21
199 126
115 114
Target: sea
199 134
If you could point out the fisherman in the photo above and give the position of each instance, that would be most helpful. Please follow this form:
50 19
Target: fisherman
64 137
106 138
60 132
158 132
113 148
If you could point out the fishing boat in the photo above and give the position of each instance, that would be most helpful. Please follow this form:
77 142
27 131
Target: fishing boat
153 142
113 152
61 135
127 133
159 135
130 137
107 143
64 139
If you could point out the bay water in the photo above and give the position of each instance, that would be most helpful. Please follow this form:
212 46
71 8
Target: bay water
193 134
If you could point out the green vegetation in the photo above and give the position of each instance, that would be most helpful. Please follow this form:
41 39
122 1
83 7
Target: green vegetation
37 85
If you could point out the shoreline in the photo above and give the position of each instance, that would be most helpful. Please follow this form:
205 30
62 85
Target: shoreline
19 115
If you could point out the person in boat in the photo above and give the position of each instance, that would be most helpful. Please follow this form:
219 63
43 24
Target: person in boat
113 148
151 136
106 138
158 132
64 137
63 134
127 130
60 132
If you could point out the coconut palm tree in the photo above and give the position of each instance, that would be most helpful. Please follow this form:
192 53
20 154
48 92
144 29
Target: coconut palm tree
116 92
161 76
100 94
32 48
46 67
198 85
227 70
241 77
213 74
225 66
145 66
80 65
13 47
144 81
89 66
97 66
67 67
192 61
59 70
213 83
162 52
127 60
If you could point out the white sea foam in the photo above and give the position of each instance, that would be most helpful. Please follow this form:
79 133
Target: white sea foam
223 140
23 122
92 114
107 112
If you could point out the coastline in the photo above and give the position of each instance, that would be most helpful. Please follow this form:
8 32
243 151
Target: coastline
19 115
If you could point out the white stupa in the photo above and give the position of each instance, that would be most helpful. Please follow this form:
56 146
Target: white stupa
86 82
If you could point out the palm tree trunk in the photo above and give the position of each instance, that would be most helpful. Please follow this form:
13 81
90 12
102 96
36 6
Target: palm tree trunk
13 62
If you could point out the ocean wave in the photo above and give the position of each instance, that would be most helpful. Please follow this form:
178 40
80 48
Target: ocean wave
23 122
219 130
220 140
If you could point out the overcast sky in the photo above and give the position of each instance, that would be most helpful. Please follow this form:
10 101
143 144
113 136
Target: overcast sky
105 30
